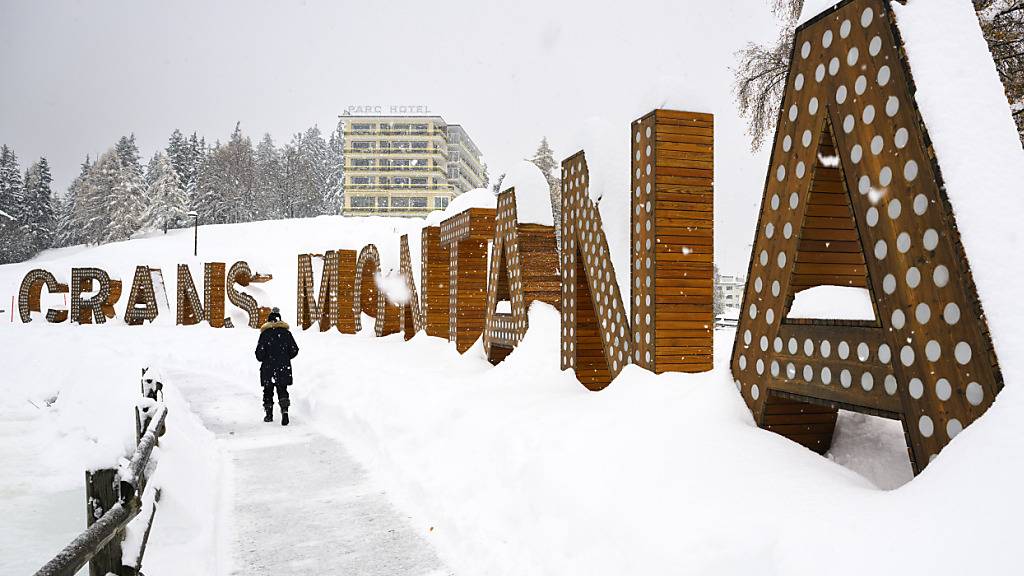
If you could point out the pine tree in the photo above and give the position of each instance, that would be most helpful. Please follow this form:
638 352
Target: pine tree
270 202
335 194
68 232
127 201
12 240
544 159
39 223
151 170
226 191
168 205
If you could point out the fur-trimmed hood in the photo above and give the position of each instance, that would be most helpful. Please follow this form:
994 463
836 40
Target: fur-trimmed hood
271 325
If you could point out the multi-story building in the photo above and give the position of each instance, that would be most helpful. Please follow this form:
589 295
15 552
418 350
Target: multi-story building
464 169
400 165
730 287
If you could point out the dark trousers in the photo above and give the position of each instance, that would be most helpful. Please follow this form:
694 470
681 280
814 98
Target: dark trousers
282 396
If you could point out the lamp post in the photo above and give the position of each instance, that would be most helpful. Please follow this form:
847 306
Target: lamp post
195 225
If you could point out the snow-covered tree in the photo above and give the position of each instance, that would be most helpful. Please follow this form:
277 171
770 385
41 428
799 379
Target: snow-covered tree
168 206
334 197
39 223
12 239
226 190
270 201
126 202
68 222
544 159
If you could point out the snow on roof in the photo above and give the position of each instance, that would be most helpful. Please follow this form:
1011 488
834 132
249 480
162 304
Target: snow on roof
533 195
979 153
833 302
476 198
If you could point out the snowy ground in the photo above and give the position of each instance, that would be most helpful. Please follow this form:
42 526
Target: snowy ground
514 469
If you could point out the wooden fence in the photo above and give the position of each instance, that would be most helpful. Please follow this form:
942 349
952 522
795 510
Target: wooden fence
113 499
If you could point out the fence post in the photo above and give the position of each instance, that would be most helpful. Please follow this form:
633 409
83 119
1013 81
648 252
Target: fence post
102 492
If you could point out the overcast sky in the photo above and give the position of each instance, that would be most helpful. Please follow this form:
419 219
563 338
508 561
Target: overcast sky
74 76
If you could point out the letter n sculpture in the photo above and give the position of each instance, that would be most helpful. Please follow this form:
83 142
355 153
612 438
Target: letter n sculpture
854 197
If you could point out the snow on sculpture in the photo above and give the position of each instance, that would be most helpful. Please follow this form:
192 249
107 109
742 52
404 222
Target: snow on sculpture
366 298
141 305
523 267
30 296
434 263
465 235
855 198
595 326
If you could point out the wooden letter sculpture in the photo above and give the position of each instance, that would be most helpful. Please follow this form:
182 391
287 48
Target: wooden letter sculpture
524 268
410 313
595 327
240 274
213 287
368 299
30 296
671 247
141 304
673 241
99 306
434 262
336 287
853 199
189 308
465 235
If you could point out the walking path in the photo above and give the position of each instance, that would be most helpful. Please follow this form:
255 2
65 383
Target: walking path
301 503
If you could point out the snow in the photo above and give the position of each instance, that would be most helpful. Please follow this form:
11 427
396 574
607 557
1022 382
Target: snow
394 287
533 195
475 198
829 161
980 157
834 303
812 8
513 469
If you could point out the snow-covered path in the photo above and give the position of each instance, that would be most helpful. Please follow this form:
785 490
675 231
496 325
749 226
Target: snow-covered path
299 503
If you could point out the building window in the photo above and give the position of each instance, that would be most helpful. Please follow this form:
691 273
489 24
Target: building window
419 181
362 162
362 145
418 201
440 202
382 201
362 180
400 181
400 202
362 201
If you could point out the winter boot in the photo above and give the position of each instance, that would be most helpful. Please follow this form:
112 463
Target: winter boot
270 415
284 418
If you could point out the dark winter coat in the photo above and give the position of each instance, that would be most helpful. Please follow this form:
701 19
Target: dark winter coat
275 350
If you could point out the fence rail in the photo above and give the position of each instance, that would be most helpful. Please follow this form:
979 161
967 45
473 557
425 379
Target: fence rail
117 493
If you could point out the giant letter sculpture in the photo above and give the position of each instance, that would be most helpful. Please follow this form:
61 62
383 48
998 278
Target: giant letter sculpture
524 268
466 235
30 296
853 198
595 328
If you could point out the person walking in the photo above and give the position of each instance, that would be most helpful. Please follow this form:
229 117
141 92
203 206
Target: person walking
275 351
